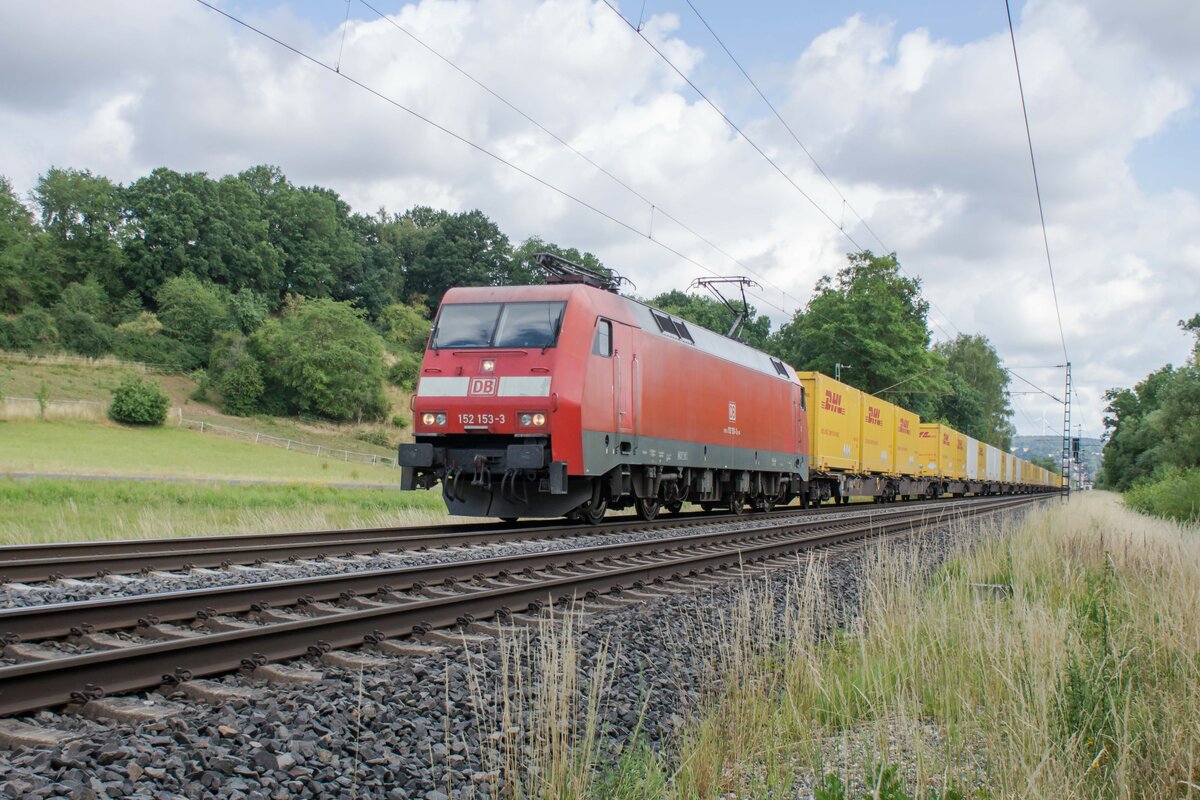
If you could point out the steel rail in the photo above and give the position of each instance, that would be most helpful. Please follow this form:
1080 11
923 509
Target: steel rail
82 560
31 686
62 619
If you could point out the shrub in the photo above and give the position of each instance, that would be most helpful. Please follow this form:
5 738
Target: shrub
87 297
405 326
200 393
401 421
249 310
192 310
241 387
43 399
154 348
321 358
139 402
34 332
6 342
81 333
1175 495
405 371
378 438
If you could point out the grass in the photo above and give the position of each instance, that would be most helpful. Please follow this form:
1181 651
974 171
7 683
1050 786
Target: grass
48 510
83 448
1082 680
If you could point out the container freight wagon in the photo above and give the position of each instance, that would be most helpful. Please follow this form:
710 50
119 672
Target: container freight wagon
972 471
860 445
907 443
994 473
936 451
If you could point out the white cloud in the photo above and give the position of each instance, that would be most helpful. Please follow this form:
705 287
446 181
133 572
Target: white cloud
923 136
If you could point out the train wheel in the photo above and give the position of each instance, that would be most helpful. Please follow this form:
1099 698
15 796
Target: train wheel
648 508
737 503
675 506
590 515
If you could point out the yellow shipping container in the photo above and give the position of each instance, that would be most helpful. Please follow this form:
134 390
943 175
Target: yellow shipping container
936 450
960 454
907 447
834 422
878 435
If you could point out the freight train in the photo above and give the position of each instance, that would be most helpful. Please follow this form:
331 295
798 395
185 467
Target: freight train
569 399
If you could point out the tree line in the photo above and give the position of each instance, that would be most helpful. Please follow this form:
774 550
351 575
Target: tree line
236 277
1153 428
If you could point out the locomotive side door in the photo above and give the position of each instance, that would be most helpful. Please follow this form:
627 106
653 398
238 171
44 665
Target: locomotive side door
800 403
624 373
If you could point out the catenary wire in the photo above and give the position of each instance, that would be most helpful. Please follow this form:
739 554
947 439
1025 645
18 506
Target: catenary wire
317 62
734 125
742 134
480 148
1036 186
468 142
1034 385
654 207
787 127
808 153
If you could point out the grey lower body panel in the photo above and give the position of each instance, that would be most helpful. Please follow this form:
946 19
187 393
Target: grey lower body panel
604 451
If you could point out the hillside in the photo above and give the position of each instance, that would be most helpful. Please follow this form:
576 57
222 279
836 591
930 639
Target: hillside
86 386
1051 446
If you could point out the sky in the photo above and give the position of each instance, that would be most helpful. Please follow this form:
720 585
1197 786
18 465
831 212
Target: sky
910 109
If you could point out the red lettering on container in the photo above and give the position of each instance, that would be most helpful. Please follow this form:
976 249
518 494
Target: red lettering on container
833 402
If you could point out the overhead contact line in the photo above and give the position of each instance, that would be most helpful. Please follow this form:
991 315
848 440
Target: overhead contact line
478 147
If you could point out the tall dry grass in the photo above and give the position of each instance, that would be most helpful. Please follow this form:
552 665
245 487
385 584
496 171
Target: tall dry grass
1085 682
1059 657
539 710
27 408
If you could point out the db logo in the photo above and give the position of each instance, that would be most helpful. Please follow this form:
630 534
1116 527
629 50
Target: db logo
733 412
482 386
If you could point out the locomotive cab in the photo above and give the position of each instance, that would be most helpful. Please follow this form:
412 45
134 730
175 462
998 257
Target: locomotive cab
488 416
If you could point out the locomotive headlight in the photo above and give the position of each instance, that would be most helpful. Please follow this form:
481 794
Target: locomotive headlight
531 419
441 419
428 418
488 365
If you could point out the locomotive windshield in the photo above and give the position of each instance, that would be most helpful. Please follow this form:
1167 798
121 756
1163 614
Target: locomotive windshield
475 325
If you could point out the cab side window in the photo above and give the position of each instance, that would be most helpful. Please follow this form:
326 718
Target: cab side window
603 344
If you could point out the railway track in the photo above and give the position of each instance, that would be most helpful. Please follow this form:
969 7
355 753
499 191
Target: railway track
82 560
132 643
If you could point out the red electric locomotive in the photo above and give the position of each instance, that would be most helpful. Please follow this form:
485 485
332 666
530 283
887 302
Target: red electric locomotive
569 399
